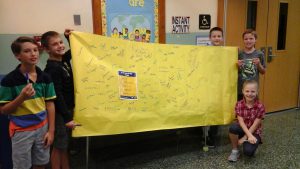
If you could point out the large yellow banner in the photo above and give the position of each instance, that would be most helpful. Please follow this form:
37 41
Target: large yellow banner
124 86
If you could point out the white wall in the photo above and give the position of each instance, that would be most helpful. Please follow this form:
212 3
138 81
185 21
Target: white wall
38 16
191 8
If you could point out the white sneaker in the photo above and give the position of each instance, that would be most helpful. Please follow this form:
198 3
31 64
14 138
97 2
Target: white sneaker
235 154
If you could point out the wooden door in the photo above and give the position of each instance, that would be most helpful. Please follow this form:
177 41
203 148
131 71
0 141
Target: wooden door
277 23
281 82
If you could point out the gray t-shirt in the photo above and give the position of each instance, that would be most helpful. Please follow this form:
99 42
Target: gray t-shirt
249 70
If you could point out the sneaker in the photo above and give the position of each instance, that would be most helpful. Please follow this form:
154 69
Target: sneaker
235 154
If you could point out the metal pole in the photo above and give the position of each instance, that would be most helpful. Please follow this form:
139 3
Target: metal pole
225 21
205 147
87 151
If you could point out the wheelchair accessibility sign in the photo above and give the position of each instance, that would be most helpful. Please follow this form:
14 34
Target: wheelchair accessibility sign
204 22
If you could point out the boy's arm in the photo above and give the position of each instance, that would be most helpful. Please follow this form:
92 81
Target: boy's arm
48 139
260 63
67 56
60 103
67 34
261 68
11 107
26 93
240 61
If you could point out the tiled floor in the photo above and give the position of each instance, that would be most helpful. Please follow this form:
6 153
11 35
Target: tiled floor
182 149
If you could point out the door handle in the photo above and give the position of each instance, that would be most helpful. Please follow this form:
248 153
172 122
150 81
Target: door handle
270 54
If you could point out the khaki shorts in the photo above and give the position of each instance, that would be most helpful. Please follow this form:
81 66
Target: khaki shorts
28 148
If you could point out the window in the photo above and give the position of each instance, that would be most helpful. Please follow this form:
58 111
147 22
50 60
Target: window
283 15
251 14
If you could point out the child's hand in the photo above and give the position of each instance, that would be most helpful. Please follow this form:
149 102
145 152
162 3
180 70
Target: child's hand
27 92
48 139
72 125
256 61
67 32
252 139
242 140
240 63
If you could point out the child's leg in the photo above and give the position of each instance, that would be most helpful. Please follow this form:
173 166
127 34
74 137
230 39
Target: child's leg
21 149
234 140
235 131
249 149
59 159
55 158
60 144
65 160
40 153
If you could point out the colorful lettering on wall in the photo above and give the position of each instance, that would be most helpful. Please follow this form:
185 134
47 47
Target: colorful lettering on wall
180 24
136 3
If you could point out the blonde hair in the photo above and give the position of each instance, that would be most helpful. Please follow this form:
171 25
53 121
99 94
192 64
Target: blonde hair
250 82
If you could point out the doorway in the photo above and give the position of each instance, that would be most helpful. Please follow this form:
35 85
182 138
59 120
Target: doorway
277 24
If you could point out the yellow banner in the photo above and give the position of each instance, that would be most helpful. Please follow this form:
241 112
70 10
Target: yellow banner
125 87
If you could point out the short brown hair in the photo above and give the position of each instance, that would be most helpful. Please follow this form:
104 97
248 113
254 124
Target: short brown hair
46 36
250 31
215 29
16 45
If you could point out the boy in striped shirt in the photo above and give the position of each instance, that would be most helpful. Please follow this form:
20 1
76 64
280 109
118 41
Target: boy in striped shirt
26 95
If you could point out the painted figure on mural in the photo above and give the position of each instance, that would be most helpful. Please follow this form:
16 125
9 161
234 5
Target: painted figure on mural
148 35
143 38
137 35
125 33
115 33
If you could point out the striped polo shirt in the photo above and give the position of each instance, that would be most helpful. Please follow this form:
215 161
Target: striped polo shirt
31 112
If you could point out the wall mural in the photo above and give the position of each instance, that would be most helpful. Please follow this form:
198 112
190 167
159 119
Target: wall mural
135 20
